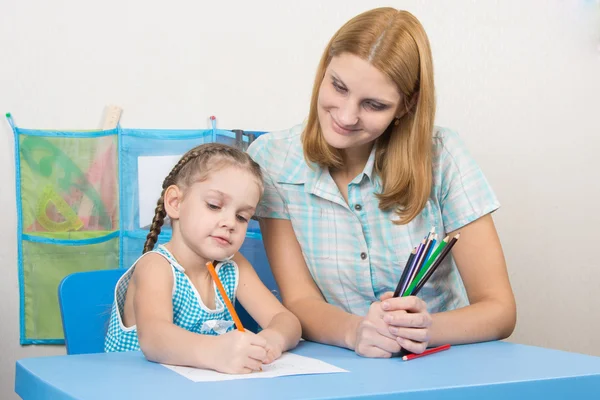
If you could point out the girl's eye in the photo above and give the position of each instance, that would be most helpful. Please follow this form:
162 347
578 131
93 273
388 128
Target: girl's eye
241 219
339 88
213 206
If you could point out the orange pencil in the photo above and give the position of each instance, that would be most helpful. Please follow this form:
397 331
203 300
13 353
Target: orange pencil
230 307
426 352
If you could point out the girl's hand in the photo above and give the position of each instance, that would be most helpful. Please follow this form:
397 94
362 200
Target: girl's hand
408 320
373 336
239 352
274 345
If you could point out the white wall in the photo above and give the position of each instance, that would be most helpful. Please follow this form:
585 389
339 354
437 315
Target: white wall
519 80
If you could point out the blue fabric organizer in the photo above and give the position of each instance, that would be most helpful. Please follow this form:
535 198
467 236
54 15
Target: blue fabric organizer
77 206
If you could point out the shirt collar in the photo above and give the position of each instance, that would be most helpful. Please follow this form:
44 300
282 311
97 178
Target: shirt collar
297 170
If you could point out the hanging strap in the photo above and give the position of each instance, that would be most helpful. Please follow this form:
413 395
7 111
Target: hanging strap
10 120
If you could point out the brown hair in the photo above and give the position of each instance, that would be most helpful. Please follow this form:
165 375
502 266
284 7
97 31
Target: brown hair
396 44
196 165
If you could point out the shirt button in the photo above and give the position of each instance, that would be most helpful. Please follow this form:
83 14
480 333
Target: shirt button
358 207
363 255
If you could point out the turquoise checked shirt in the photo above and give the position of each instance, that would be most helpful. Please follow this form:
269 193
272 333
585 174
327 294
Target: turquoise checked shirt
353 250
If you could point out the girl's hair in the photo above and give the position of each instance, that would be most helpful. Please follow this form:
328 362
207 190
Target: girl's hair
396 44
195 166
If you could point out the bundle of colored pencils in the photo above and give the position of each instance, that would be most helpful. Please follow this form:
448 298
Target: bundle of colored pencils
422 263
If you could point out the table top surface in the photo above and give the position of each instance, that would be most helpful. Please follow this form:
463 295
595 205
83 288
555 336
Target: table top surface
492 369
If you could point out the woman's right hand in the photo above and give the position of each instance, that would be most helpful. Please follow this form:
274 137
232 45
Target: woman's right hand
373 337
239 352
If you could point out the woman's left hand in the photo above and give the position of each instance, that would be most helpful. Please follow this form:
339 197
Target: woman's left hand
274 344
408 320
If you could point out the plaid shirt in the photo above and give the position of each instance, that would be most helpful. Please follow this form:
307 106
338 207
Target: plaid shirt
353 250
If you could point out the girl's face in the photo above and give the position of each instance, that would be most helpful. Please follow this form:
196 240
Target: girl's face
356 102
213 215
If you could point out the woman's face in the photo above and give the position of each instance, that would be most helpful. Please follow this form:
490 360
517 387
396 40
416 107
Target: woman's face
356 102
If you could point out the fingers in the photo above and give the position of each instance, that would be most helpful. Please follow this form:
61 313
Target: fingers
386 295
255 339
408 320
253 365
373 343
411 304
383 347
411 330
388 345
372 352
272 355
375 320
257 353
412 346
393 324
416 335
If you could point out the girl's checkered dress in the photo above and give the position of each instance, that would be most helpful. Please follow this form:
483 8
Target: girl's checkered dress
189 312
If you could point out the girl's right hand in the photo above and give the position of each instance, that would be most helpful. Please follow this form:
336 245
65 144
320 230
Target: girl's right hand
240 352
373 337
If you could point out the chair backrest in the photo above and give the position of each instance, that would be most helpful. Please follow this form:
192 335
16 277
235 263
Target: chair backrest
85 300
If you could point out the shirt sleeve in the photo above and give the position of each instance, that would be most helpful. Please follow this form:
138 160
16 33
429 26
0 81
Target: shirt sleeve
272 204
464 192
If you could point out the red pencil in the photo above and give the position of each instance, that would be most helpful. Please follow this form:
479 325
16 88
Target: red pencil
427 352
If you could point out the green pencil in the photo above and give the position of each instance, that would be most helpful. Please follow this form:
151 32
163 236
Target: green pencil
425 268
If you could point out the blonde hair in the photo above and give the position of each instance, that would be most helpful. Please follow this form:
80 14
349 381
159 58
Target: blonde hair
194 166
396 44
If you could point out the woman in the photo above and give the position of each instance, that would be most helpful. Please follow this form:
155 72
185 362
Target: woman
352 191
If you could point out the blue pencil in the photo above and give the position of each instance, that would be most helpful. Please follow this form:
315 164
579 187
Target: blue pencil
404 282
421 259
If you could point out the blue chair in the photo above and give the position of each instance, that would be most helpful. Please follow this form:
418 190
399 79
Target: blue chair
85 300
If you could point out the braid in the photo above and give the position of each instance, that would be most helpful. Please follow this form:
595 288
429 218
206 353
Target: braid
157 223
160 212
170 179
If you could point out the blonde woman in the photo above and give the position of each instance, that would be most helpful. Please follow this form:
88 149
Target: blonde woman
352 191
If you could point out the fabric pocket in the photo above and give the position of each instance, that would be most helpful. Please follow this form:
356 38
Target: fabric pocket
68 183
46 261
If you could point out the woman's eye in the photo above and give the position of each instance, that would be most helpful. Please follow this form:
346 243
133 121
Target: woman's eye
374 106
213 206
339 88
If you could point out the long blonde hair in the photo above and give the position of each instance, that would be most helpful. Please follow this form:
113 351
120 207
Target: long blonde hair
196 165
396 44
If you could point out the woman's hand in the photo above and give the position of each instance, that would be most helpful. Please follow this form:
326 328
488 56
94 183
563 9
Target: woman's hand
373 336
407 320
274 346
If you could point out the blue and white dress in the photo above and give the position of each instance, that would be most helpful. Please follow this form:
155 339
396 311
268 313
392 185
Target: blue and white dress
189 312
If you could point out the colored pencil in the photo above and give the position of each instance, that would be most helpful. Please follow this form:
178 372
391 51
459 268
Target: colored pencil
422 259
437 262
433 243
426 267
405 272
426 352
230 307
413 265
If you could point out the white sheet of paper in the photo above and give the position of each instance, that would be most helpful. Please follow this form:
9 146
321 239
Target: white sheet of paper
287 364
152 171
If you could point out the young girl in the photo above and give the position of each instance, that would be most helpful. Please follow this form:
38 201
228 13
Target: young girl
168 306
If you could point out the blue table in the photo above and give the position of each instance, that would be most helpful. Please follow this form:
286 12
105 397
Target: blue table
494 370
